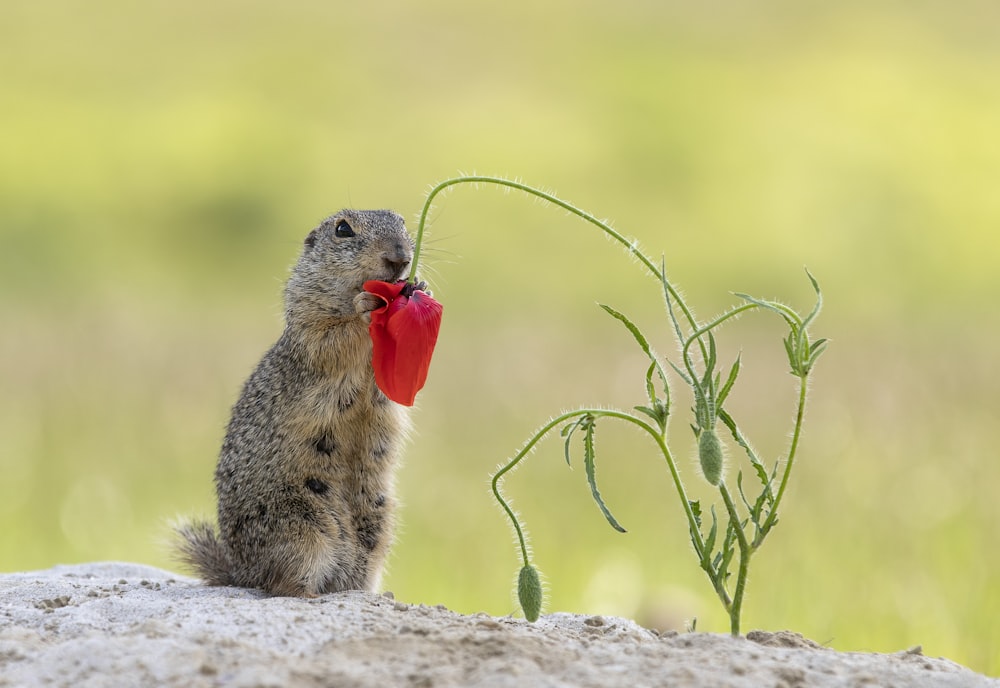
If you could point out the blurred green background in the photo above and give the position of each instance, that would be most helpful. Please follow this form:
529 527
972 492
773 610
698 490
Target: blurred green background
160 163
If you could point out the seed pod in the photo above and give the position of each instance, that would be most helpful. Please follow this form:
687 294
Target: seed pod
529 592
710 455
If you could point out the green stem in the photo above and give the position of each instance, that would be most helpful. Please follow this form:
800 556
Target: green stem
796 434
745 553
630 246
696 336
704 329
597 413
734 430
511 464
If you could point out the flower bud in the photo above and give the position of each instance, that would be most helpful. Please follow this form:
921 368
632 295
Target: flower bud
710 455
529 592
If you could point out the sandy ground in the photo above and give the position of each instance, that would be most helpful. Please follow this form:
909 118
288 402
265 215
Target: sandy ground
114 624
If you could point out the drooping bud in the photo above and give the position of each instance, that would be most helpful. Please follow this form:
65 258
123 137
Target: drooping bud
529 592
710 455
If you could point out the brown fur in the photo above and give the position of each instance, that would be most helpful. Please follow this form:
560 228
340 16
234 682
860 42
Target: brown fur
305 475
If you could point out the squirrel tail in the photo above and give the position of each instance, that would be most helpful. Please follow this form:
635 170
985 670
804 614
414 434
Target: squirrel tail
198 547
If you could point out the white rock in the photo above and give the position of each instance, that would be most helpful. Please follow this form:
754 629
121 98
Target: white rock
115 624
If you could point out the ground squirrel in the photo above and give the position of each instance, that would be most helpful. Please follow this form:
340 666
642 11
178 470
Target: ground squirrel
305 475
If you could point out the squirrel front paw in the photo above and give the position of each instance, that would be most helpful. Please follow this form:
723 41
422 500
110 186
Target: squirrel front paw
365 303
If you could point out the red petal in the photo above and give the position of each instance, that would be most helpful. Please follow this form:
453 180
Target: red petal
414 329
383 353
387 291
403 334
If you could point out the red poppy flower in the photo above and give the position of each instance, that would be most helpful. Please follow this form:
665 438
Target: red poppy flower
403 333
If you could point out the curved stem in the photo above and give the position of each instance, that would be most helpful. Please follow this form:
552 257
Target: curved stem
796 434
630 246
598 413
707 327
511 464
696 336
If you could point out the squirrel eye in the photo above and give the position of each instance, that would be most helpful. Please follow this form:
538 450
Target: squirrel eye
343 230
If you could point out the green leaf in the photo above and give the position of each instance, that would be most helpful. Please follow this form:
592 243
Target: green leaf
764 531
648 411
713 353
659 412
588 464
819 301
695 510
669 301
728 549
757 512
757 508
758 467
817 348
636 332
657 418
712 532
730 380
650 389
662 409
567 432
734 430
681 374
739 487
762 475
790 350
640 338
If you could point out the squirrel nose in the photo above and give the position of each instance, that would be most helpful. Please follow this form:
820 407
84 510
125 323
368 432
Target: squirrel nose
397 258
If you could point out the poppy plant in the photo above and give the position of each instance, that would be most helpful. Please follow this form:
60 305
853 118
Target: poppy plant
724 546
403 333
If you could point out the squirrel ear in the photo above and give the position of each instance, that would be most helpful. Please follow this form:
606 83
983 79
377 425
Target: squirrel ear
311 238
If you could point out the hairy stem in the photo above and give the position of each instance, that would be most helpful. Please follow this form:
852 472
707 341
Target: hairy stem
706 328
793 448
599 413
499 181
745 553
511 464
629 245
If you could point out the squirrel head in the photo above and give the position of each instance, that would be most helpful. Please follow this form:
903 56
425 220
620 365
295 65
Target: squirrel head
346 250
